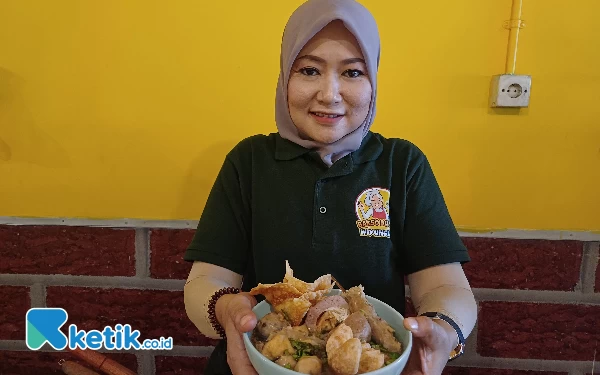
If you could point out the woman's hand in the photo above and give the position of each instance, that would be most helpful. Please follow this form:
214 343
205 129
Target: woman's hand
433 340
234 313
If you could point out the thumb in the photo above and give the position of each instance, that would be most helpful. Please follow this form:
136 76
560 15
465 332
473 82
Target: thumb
241 312
420 326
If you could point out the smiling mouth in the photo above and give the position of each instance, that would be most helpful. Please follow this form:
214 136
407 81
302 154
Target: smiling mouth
325 115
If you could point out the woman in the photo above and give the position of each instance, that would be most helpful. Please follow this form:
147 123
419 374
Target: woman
296 195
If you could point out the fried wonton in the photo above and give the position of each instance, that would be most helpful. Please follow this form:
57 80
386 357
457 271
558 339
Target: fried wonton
293 309
276 294
293 297
323 283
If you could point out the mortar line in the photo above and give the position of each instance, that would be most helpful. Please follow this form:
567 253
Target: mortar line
37 295
145 363
188 351
582 235
524 234
142 253
536 296
589 262
178 350
528 364
110 223
14 345
582 267
121 282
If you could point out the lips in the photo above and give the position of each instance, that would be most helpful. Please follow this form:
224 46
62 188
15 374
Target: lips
326 119
326 115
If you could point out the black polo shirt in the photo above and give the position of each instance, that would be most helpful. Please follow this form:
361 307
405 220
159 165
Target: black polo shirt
372 217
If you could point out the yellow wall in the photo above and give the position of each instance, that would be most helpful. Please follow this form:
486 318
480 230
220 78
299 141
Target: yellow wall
112 109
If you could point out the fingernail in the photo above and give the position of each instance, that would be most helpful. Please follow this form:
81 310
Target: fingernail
413 324
245 320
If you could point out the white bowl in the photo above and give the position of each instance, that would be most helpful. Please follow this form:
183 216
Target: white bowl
265 366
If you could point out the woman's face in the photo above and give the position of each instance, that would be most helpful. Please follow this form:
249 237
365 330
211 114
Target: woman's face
329 91
377 202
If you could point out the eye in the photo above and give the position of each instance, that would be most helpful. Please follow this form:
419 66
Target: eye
309 71
353 73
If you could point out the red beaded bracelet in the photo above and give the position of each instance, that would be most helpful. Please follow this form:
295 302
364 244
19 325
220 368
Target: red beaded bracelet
212 304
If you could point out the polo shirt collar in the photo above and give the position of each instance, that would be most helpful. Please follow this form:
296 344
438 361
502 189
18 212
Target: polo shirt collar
369 150
287 150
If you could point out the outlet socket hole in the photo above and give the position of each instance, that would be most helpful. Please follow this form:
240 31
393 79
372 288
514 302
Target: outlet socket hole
515 90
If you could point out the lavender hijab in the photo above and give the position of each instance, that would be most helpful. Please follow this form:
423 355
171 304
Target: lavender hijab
305 22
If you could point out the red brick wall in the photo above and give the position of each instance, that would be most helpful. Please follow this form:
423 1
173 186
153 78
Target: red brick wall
37 363
523 264
14 303
531 305
597 287
67 250
166 251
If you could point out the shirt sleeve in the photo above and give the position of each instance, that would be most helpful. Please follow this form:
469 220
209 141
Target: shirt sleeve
429 235
222 237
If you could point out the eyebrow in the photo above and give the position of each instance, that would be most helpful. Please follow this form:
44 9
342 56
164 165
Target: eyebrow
322 61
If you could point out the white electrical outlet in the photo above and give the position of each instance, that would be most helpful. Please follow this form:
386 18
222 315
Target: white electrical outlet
510 90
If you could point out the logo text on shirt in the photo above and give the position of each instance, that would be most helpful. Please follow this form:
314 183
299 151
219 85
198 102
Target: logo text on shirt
373 212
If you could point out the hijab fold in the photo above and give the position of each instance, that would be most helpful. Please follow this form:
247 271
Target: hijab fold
310 18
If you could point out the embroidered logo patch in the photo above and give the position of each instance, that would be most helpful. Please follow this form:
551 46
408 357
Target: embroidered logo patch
373 212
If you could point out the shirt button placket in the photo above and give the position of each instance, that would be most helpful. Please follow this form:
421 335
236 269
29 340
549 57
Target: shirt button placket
321 229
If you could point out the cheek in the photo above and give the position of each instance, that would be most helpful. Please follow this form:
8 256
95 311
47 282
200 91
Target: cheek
299 94
359 98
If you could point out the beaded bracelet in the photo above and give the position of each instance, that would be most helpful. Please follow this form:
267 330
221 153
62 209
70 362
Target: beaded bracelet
211 308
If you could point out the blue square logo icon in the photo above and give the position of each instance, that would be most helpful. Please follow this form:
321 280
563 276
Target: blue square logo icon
43 325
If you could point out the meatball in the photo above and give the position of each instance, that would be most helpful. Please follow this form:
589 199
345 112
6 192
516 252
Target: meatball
309 365
360 326
271 323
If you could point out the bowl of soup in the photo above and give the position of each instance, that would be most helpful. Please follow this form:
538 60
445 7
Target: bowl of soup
342 334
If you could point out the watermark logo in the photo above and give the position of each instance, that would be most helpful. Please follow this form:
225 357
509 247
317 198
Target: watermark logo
43 326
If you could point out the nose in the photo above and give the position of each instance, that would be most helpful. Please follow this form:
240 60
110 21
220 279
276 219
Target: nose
329 90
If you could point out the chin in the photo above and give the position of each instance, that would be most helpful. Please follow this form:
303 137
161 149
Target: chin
326 134
326 137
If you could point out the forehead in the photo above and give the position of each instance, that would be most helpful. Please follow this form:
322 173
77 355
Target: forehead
334 35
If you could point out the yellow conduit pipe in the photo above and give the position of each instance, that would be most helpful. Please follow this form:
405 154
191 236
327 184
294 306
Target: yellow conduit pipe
514 25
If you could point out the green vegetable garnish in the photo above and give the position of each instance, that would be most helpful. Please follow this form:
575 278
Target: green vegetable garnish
305 349
288 366
390 356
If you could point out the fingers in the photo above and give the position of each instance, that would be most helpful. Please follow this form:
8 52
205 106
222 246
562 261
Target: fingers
241 319
237 356
240 311
431 334
431 346
421 326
